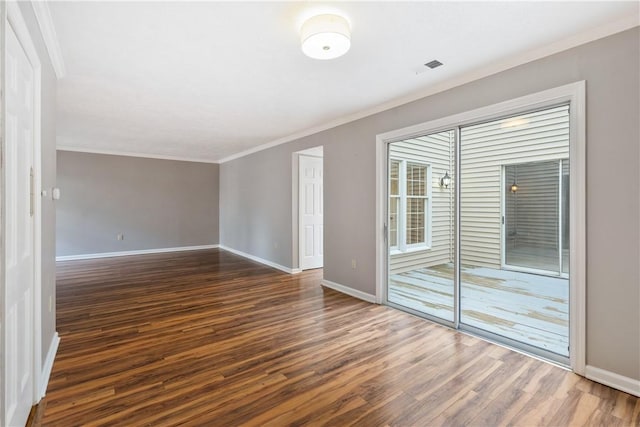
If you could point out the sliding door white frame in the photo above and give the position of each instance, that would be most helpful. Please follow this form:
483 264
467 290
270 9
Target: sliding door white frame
574 94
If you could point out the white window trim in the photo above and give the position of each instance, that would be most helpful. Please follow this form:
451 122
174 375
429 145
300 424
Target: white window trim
574 93
401 236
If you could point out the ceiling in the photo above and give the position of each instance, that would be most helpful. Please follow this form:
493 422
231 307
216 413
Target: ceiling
209 80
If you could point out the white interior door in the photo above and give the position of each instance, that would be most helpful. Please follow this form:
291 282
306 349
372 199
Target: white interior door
311 220
19 225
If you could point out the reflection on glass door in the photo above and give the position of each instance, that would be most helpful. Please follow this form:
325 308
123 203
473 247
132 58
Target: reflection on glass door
421 224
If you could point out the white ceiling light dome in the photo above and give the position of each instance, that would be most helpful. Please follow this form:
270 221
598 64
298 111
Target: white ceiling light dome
325 36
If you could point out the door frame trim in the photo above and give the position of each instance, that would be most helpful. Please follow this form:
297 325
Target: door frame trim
574 94
15 19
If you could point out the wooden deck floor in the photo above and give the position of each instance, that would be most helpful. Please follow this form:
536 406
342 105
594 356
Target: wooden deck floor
524 307
207 338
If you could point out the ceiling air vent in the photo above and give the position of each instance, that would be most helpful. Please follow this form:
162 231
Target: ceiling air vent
433 64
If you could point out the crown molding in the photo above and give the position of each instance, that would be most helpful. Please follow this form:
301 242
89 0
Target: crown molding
616 26
48 30
131 154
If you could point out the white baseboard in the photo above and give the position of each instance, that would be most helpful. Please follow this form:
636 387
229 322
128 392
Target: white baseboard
261 260
617 381
48 364
139 252
349 291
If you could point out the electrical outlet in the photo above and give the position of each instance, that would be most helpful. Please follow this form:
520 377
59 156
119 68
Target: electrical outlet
353 263
120 236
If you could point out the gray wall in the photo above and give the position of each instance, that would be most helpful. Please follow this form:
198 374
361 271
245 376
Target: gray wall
154 203
255 192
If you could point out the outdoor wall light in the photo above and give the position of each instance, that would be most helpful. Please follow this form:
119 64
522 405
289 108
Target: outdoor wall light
325 36
514 187
445 180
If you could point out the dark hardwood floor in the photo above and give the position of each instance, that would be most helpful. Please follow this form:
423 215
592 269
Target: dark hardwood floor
206 338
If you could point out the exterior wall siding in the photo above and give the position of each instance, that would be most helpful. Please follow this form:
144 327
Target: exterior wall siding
485 149
434 150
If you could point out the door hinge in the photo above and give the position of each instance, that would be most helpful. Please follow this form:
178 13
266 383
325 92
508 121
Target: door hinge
385 232
31 192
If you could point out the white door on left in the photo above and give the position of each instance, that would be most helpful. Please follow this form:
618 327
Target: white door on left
19 248
311 216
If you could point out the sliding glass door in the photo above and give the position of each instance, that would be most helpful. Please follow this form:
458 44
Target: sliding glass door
478 228
512 283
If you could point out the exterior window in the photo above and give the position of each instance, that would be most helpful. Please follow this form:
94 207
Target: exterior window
408 205
416 203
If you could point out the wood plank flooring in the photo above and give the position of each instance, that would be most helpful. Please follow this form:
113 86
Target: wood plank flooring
206 338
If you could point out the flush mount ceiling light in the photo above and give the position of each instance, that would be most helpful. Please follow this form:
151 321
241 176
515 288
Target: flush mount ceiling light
325 36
